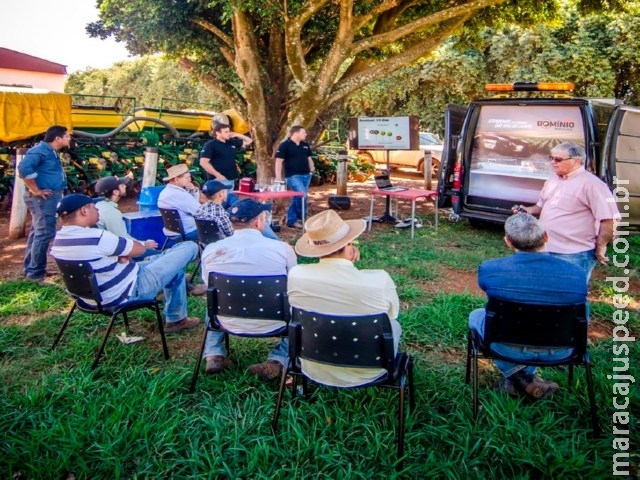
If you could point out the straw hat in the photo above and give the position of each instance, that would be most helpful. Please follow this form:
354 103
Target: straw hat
176 171
327 233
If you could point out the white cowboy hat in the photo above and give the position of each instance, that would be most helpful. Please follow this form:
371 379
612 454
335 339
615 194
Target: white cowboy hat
327 233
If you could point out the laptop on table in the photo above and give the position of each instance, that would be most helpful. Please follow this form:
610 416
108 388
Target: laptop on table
384 183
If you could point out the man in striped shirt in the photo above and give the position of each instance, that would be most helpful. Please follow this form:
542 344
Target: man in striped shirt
111 257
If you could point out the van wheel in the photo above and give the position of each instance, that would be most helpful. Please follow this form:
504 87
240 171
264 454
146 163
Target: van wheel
435 167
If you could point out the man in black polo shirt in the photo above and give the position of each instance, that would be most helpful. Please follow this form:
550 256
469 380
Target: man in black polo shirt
295 155
218 157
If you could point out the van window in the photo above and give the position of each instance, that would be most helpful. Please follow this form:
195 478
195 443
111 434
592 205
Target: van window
510 151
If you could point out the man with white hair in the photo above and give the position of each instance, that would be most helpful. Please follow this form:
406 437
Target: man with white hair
533 276
577 209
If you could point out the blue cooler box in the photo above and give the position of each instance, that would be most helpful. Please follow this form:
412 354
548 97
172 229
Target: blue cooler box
145 225
148 199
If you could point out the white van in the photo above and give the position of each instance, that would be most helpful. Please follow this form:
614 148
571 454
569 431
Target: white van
496 149
408 158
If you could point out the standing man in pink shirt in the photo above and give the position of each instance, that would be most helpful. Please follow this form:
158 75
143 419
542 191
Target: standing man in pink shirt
577 209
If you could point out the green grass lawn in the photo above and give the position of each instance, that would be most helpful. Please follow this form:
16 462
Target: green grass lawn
133 417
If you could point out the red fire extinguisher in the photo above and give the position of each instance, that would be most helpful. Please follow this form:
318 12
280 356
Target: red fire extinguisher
456 187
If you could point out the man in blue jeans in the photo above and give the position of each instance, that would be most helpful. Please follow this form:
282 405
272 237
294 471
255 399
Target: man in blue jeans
248 252
534 276
119 277
294 154
42 173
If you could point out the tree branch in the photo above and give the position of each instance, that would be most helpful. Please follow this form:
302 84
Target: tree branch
356 80
226 39
219 87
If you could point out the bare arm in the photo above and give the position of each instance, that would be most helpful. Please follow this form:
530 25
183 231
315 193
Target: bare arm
312 166
605 234
246 141
279 162
532 210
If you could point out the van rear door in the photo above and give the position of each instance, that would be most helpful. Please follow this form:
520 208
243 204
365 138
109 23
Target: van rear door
621 163
454 116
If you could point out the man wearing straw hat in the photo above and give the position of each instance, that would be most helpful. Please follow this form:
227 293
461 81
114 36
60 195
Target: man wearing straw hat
182 195
336 286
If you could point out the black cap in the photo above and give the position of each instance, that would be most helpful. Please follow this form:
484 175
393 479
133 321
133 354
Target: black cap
73 202
106 185
212 187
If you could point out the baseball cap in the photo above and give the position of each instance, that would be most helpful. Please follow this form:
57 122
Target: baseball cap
106 185
246 210
73 202
212 187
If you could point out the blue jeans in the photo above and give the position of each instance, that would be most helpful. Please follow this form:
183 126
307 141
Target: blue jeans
585 260
231 197
476 322
297 183
166 272
214 345
43 229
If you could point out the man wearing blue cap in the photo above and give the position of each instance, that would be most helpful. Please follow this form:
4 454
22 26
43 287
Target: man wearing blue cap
111 257
247 252
212 210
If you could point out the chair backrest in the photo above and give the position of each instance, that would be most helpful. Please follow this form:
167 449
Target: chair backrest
349 341
536 325
171 220
79 279
261 297
208 231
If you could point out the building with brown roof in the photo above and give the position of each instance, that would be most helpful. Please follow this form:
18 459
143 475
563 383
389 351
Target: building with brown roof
20 69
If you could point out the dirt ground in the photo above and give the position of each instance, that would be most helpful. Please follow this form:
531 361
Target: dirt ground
453 281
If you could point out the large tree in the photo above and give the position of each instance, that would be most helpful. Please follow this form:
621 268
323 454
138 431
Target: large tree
285 62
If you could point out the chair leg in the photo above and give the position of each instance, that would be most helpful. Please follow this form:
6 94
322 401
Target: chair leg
126 321
196 371
592 398
195 272
226 343
283 385
467 374
475 385
64 326
570 376
104 341
401 425
412 388
165 349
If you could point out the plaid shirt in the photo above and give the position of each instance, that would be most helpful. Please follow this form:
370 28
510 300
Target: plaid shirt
212 211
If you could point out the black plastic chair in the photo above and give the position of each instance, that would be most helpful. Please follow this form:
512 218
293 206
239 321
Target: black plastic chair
260 298
80 282
364 341
171 221
536 326
208 232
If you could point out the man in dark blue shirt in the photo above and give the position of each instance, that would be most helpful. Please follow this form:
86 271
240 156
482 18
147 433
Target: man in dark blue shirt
530 276
44 177
218 157
294 154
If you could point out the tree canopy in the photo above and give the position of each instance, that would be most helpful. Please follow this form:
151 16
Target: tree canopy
286 62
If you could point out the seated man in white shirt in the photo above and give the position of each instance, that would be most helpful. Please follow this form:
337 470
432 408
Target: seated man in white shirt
182 195
114 189
336 286
120 278
247 252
